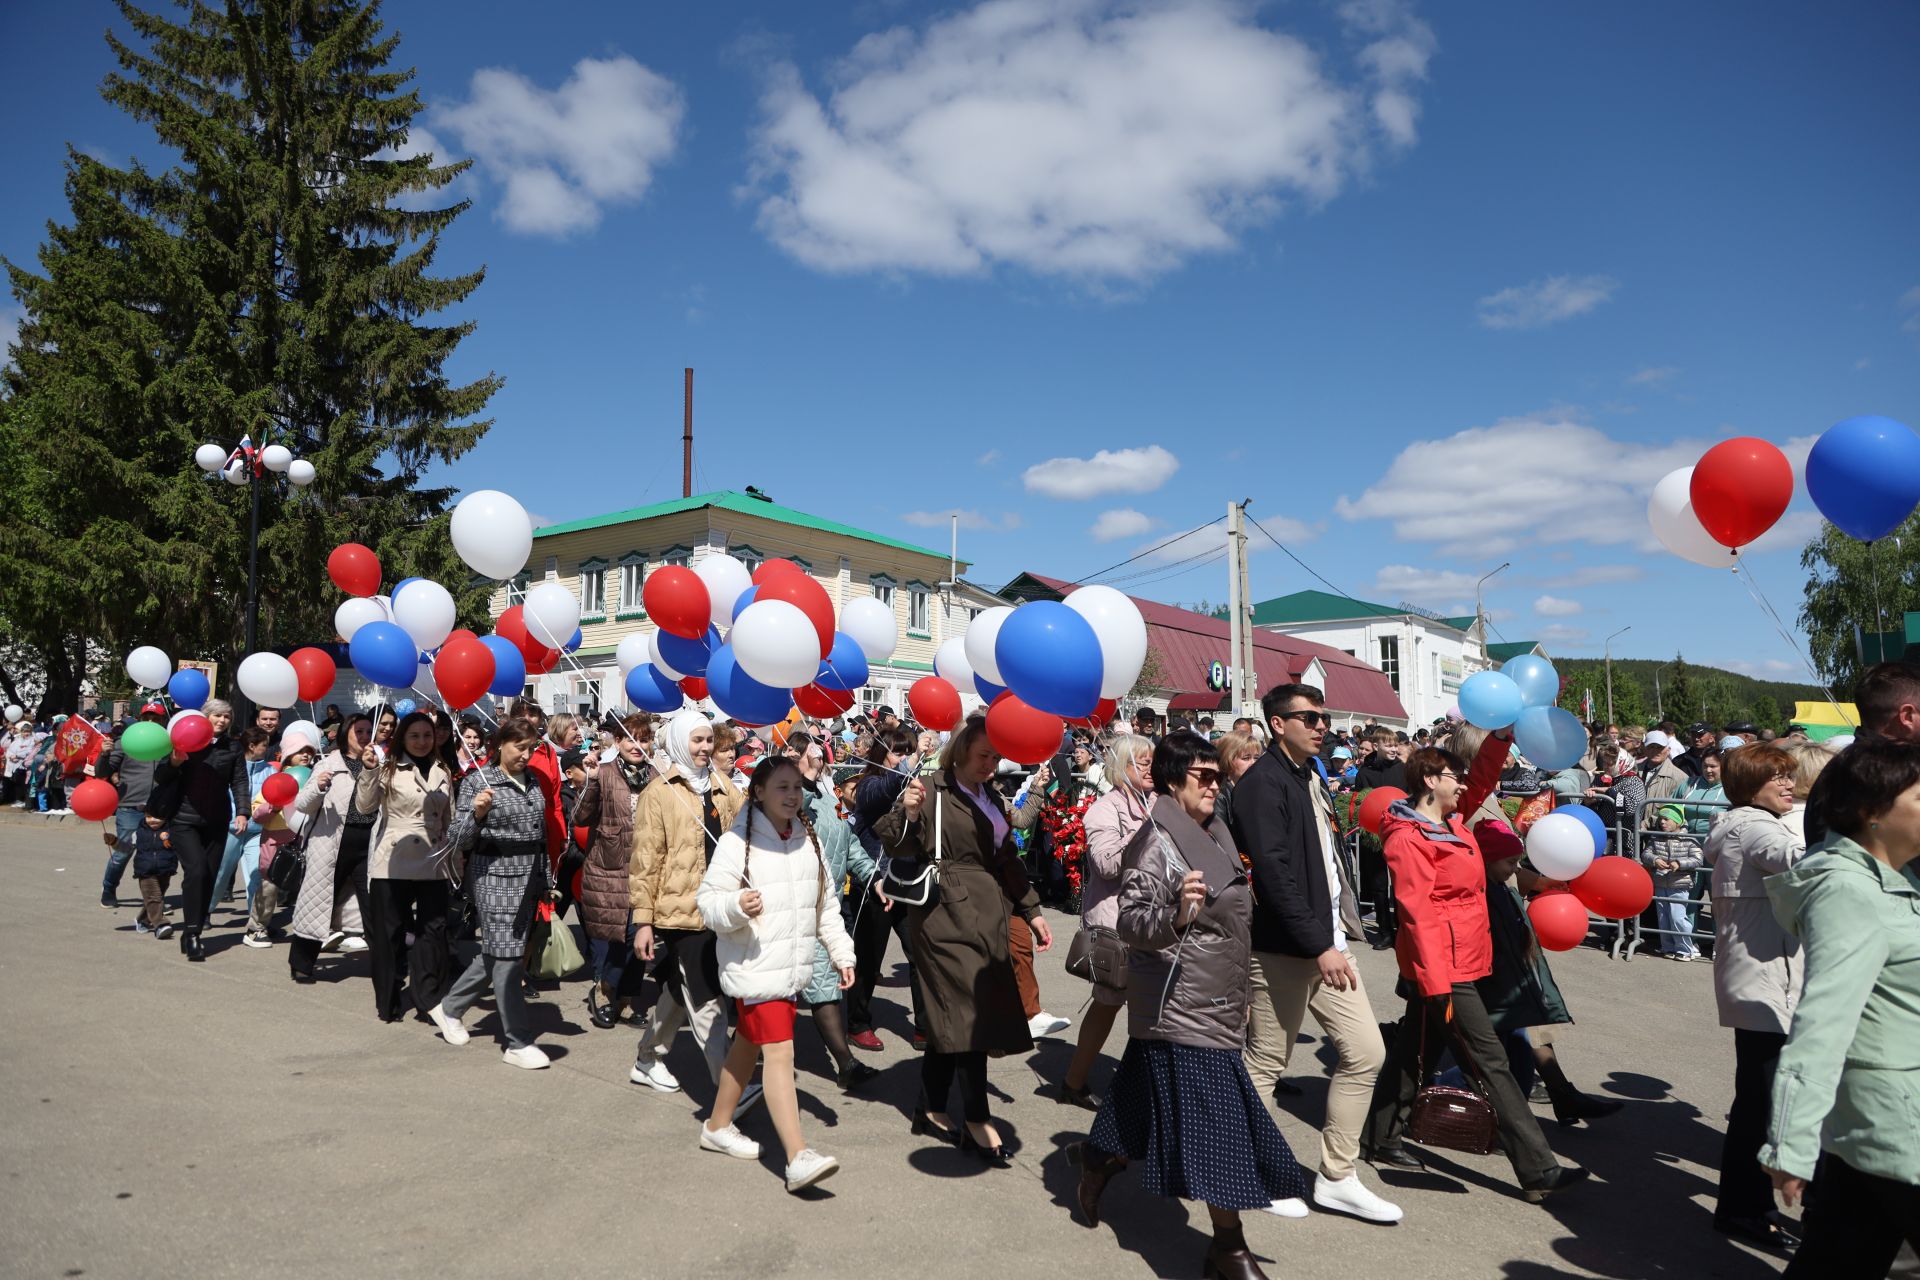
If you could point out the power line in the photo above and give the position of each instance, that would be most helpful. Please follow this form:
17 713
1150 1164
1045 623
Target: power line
1296 559
1150 550
1177 570
1210 553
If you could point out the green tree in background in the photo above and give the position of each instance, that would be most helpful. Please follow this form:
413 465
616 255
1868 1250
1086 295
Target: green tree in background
1841 595
1630 705
275 282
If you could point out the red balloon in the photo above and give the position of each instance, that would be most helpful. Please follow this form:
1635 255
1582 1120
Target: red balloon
1740 488
316 670
694 687
1559 921
935 703
190 733
461 634
809 596
676 599
1099 718
354 569
462 671
94 800
1616 888
1023 734
511 626
540 659
775 568
1374 808
279 789
820 703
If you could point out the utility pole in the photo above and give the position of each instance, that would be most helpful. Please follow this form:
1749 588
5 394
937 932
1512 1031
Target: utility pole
686 444
1242 680
1620 632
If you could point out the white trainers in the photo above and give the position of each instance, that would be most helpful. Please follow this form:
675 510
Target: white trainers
1291 1207
333 941
1046 1024
654 1075
808 1168
353 942
530 1058
729 1142
749 1099
450 1029
256 940
1350 1195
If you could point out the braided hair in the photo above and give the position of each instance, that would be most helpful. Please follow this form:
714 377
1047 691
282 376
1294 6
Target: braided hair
762 777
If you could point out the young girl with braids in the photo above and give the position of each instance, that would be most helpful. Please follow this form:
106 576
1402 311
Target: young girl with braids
768 898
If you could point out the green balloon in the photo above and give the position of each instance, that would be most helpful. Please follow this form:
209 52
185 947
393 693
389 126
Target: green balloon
146 741
301 773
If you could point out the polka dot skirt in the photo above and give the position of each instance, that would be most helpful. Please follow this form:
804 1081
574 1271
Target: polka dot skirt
1191 1121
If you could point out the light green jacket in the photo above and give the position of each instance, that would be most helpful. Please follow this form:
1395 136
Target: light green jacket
1849 1077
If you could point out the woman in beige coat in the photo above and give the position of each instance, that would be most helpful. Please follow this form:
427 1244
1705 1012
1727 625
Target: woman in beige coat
406 868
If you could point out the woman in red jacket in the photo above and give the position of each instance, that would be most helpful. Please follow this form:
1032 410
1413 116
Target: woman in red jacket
1444 944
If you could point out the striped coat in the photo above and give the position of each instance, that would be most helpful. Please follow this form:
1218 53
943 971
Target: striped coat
506 855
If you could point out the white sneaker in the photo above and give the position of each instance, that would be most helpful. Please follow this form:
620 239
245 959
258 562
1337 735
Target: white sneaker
654 1075
729 1142
256 940
1046 1024
530 1058
333 941
808 1168
353 942
1350 1195
750 1097
450 1029
1292 1207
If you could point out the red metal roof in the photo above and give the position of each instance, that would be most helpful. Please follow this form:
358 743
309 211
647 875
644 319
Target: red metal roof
1188 642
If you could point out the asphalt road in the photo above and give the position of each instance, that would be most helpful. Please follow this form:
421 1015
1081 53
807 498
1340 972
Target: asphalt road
216 1120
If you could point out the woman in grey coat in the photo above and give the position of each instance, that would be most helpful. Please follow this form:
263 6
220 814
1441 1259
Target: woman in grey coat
328 911
500 827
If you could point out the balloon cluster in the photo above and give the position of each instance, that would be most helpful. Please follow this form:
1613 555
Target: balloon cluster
1569 845
1521 695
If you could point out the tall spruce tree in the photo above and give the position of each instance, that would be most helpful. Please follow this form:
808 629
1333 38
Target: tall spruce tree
268 283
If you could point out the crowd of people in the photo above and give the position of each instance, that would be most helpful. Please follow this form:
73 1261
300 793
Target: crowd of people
725 878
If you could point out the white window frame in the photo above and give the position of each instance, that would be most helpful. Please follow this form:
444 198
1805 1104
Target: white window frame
883 587
747 556
517 588
593 589
679 554
920 606
633 576
1389 650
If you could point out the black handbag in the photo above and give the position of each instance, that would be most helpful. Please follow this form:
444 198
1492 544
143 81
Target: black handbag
1449 1118
288 869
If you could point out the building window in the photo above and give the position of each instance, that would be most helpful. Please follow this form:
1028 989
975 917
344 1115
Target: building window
919 611
748 557
593 588
682 556
805 567
882 589
633 573
1390 660
517 589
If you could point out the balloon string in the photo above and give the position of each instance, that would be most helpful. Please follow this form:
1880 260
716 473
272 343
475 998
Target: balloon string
1745 575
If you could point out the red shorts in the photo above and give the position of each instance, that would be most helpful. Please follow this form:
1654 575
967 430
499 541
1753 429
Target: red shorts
767 1021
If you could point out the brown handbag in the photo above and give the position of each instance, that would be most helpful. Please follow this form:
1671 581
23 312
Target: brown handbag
1449 1118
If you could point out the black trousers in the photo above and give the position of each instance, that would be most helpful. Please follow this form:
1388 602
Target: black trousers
870 931
939 1071
1854 1227
349 880
1477 1048
395 908
1746 1192
1376 885
199 846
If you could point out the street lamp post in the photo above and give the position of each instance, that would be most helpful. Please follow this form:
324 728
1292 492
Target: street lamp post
248 465
1479 614
1622 631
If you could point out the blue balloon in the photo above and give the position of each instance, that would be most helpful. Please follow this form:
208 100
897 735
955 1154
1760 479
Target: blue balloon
1487 699
1864 475
1591 821
746 598
573 641
650 690
986 688
1539 682
189 688
385 654
845 668
1050 657
689 657
400 586
405 707
739 696
1551 737
509 667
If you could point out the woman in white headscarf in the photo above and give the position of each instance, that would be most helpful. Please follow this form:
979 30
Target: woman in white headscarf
681 815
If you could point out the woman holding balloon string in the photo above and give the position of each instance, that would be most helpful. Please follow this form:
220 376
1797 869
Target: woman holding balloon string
407 891
204 793
337 837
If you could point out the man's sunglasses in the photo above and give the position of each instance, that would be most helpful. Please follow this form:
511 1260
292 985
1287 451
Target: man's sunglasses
1311 719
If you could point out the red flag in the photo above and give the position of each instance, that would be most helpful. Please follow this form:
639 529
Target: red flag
76 745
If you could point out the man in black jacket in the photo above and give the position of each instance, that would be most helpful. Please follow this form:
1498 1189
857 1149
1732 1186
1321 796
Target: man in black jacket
1304 911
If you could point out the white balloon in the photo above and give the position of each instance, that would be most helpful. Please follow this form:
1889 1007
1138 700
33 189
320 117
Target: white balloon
551 613
872 626
726 578
209 457
356 613
1122 632
775 643
950 664
301 731
653 655
300 472
276 457
149 668
269 680
1560 846
632 651
13 714
1670 512
493 535
425 613
979 638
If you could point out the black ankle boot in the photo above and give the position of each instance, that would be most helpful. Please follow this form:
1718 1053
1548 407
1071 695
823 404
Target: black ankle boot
1228 1257
190 944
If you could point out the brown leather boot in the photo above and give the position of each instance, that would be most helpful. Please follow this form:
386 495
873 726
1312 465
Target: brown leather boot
1228 1257
1096 1168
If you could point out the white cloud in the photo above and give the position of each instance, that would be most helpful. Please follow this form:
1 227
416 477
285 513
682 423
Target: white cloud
1123 523
1593 575
1861 363
1910 303
1794 531
562 156
1082 138
1441 589
1543 302
1765 669
423 141
1561 633
968 520
1557 607
1108 471
1654 376
988 458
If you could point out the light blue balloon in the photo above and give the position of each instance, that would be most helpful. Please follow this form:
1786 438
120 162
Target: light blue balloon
1488 699
1592 822
1539 682
1049 655
650 690
189 688
1551 737
405 707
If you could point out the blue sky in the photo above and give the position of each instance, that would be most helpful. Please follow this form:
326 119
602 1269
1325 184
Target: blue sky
1435 287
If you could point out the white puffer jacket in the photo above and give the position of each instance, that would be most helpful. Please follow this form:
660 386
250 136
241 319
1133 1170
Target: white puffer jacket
770 957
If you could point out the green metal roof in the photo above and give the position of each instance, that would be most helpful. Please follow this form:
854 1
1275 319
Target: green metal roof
1511 649
1463 623
743 504
1318 606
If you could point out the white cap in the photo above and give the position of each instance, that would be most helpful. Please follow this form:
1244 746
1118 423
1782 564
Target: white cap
1657 738
1732 741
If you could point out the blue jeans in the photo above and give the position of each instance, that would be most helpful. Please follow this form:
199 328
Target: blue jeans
1672 910
126 821
230 860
